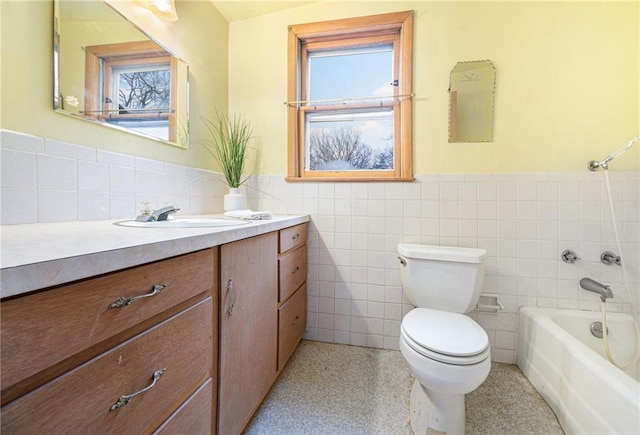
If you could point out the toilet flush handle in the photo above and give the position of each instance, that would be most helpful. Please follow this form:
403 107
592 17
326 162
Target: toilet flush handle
402 261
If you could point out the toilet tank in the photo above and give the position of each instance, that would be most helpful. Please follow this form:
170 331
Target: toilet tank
442 277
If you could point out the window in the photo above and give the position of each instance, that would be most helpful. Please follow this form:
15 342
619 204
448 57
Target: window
349 99
132 85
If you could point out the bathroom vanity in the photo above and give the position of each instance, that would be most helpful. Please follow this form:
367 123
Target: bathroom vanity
126 330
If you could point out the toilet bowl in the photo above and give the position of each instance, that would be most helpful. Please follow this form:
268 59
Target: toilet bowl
445 369
446 350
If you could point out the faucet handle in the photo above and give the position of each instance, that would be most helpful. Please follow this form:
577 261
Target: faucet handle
569 256
163 213
610 258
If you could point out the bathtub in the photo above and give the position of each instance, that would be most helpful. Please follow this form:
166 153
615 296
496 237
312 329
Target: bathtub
566 364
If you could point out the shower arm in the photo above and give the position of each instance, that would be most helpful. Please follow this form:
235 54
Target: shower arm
593 165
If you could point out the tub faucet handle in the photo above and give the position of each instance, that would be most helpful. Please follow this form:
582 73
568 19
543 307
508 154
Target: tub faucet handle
610 258
569 256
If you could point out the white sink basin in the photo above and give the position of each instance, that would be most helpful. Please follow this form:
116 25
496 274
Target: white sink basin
184 223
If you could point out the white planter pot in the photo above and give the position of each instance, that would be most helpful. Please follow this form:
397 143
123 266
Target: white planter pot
233 200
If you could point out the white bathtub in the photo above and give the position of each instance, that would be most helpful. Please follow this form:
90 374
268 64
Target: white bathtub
566 364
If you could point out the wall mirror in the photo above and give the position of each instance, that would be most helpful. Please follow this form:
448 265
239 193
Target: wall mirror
109 72
471 99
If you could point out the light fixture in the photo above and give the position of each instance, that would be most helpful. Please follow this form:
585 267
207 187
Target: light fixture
164 9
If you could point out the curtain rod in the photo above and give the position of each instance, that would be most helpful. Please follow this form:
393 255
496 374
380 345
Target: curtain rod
159 109
330 100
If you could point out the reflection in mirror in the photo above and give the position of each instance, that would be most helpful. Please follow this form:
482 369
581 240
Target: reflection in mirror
471 96
107 71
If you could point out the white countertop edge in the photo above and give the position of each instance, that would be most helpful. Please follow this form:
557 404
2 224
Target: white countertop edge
38 256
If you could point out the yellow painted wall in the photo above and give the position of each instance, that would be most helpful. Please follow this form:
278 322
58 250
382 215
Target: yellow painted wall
568 80
199 37
568 77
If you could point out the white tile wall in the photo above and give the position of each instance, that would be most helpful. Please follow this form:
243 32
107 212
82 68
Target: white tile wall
47 180
524 221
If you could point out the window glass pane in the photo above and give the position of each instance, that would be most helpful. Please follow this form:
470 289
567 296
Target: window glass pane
142 88
361 72
338 141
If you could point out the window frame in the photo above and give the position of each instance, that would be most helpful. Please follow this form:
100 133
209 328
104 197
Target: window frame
365 31
99 63
111 111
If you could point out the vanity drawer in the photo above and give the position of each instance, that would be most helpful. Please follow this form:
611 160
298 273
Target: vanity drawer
292 322
194 416
293 237
41 331
80 401
292 272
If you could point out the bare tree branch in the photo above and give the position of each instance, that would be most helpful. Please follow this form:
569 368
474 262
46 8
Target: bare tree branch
343 149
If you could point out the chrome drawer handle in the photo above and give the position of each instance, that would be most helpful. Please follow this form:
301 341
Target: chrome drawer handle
295 236
231 294
124 400
123 302
295 269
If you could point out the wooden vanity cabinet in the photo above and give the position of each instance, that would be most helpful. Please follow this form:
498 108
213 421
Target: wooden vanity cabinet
196 341
69 354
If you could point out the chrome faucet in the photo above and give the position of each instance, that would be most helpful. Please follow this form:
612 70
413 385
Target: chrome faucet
594 286
158 215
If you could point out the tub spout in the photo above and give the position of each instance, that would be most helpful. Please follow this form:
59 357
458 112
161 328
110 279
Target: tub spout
594 286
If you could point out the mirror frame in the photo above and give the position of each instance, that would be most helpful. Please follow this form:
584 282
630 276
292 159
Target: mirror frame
178 125
472 106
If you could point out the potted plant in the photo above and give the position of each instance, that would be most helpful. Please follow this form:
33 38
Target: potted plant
229 137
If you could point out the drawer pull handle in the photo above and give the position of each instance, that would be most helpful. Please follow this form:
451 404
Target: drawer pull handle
294 321
295 269
231 294
123 302
124 400
295 236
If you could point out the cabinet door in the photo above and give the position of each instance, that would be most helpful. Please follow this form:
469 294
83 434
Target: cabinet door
248 328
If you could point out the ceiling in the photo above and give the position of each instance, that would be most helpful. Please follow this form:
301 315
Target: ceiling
235 10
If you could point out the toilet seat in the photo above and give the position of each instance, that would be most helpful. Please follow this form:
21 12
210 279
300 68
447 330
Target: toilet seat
450 338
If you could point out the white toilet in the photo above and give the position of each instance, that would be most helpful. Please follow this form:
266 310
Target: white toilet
447 351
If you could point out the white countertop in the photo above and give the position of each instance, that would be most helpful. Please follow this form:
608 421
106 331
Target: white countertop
37 256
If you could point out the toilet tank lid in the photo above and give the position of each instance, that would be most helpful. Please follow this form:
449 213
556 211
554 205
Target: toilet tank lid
442 253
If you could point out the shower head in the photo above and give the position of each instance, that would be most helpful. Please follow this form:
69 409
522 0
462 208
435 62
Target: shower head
593 165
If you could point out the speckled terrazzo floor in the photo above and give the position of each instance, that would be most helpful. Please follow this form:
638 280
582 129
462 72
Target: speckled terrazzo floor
338 389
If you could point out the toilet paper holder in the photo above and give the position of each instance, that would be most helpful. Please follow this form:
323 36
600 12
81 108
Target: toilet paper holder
488 302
